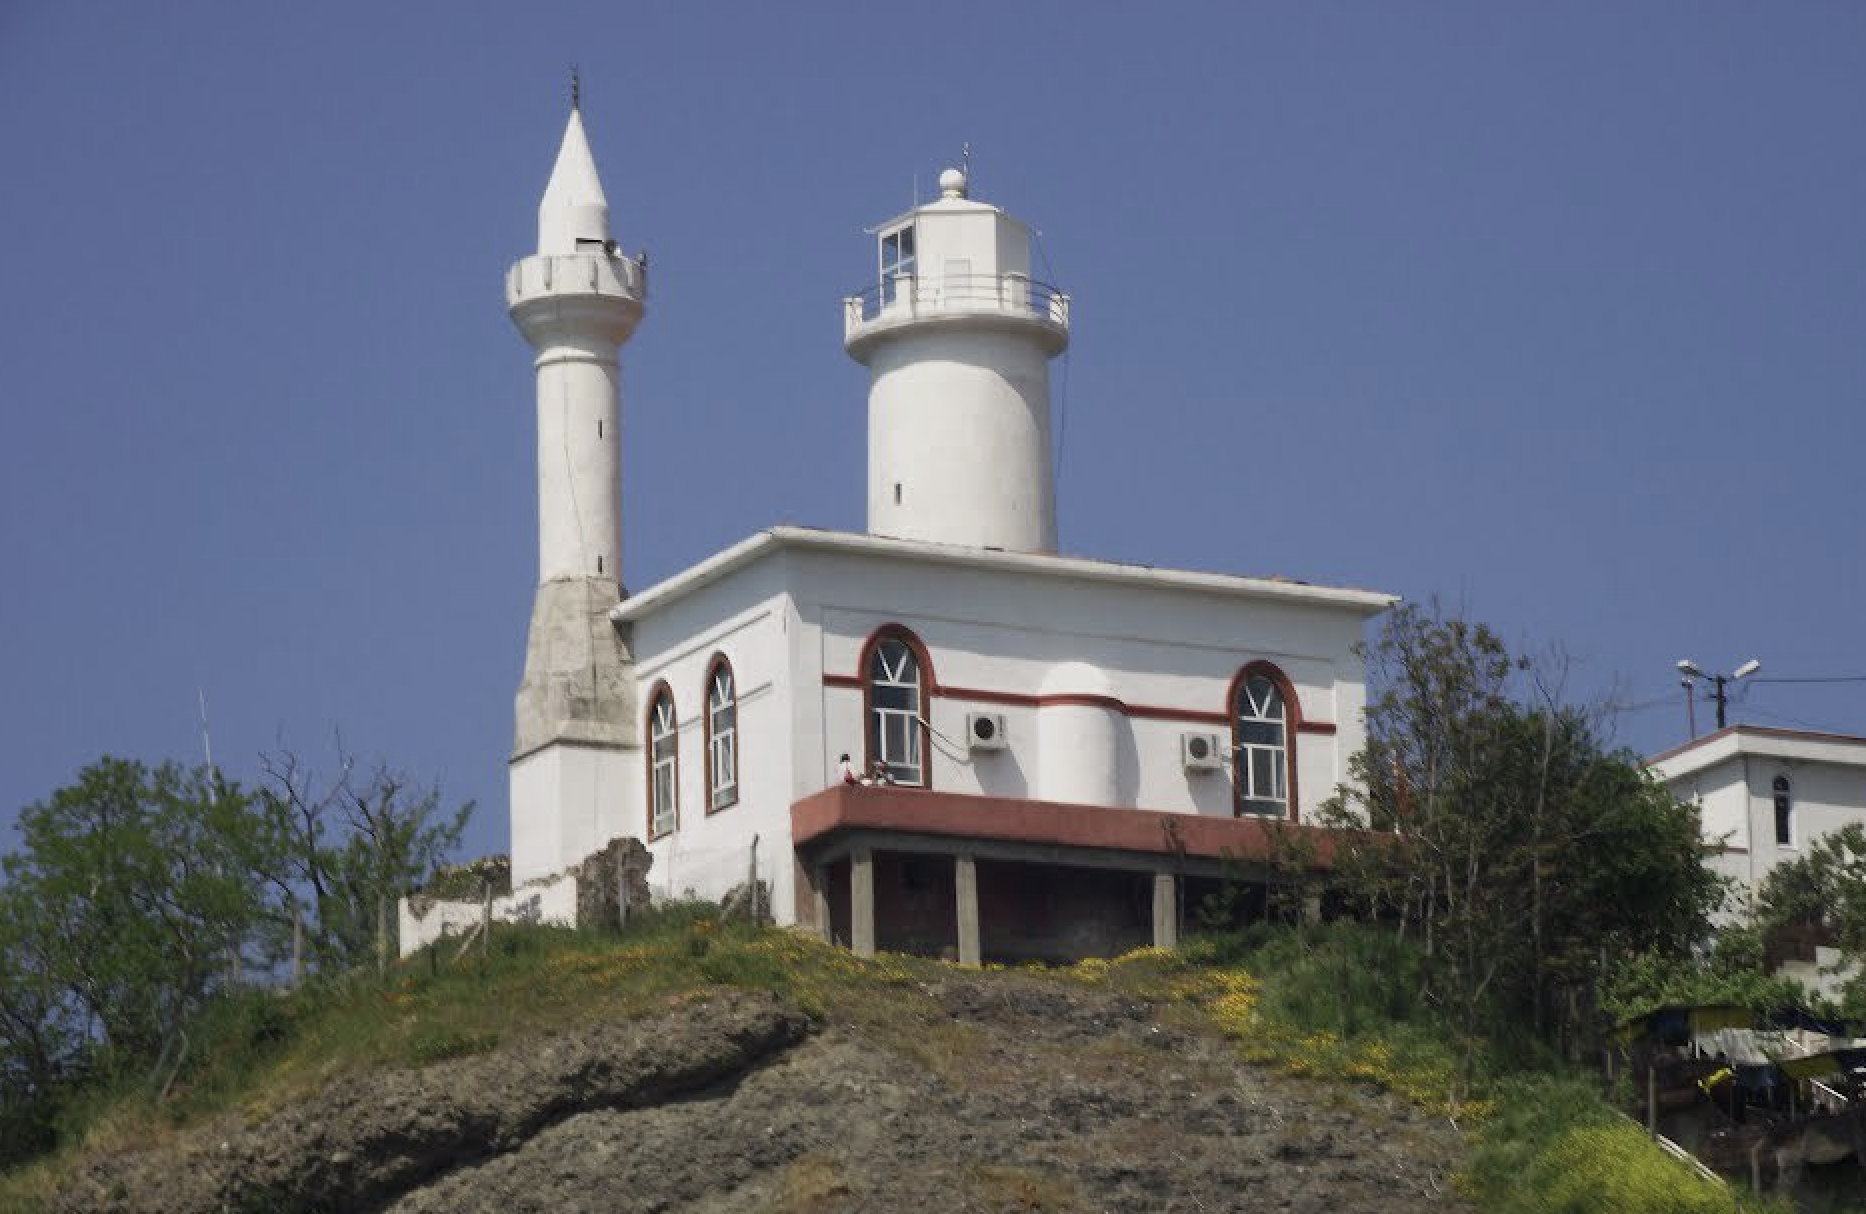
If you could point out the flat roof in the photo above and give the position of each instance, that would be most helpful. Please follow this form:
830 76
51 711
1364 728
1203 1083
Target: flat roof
1734 741
763 543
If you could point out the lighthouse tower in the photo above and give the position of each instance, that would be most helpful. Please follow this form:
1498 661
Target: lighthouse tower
576 301
957 338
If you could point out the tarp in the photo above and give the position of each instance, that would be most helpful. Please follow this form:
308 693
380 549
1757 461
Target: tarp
1799 1018
1817 1066
1678 1025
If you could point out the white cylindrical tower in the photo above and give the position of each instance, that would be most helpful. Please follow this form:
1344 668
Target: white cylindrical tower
576 301
957 338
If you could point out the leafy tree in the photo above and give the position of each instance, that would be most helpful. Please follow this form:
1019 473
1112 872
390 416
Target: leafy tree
139 896
1824 889
354 845
39 1033
135 895
1512 845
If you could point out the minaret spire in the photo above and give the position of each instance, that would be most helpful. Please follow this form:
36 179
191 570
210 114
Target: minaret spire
576 88
574 214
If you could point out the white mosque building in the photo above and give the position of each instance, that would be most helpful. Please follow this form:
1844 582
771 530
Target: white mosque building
1066 753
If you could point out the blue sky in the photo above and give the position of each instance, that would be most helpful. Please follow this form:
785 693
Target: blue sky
1552 311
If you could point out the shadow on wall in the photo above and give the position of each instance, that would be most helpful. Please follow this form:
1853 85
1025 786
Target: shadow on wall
1000 774
1127 764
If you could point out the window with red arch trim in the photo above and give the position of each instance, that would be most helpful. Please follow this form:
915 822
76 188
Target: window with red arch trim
663 763
897 682
722 734
1264 714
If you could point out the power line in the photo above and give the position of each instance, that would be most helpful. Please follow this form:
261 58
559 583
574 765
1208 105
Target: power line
1819 678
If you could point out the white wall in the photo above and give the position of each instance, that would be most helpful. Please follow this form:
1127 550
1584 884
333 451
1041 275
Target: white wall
746 618
553 900
590 788
1154 647
1735 796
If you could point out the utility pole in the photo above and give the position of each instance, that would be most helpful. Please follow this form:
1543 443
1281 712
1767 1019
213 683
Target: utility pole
1719 687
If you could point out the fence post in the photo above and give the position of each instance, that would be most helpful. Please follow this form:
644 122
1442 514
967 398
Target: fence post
382 934
621 889
751 884
298 945
485 918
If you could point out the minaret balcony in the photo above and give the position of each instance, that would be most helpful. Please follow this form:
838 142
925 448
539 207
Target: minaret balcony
594 273
1014 301
583 299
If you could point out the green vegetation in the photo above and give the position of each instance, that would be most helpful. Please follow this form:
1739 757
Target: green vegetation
144 905
1549 1146
1519 853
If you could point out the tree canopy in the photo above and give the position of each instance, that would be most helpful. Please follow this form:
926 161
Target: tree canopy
138 895
1511 843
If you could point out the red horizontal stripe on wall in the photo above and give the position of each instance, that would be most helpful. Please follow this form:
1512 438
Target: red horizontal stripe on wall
1145 712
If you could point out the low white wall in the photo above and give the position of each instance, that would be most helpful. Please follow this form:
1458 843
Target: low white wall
552 901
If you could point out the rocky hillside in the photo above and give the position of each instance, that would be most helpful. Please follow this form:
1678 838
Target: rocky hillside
903 1086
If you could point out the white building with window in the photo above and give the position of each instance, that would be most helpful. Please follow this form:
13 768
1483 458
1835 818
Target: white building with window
1066 754
1764 795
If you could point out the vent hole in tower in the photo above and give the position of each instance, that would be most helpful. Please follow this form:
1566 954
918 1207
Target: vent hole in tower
897 493
599 427
599 564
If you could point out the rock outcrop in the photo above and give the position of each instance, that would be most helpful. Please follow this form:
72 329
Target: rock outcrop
359 1145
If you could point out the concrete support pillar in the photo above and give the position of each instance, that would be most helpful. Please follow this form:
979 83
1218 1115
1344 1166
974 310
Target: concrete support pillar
1165 910
965 899
862 902
819 902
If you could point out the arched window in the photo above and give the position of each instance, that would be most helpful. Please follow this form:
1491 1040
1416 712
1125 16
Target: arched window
1784 812
722 736
663 763
895 677
1262 712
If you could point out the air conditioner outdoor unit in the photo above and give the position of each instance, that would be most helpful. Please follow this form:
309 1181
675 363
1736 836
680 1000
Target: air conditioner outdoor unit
985 730
1201 751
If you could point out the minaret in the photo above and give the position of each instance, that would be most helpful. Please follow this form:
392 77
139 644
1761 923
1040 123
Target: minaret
957 338
576 302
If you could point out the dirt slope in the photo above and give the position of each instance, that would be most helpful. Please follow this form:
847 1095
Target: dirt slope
1015 1093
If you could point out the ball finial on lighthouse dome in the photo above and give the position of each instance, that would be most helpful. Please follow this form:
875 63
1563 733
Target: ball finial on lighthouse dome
952 183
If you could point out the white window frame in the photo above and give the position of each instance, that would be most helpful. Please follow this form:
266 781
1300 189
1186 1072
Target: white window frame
663 765
1261 703
890 266
722 736
893 729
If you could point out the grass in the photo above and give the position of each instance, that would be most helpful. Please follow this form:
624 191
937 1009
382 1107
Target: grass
1552 1147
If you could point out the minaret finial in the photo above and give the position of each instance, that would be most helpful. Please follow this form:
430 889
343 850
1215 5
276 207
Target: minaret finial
576 88
965 159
